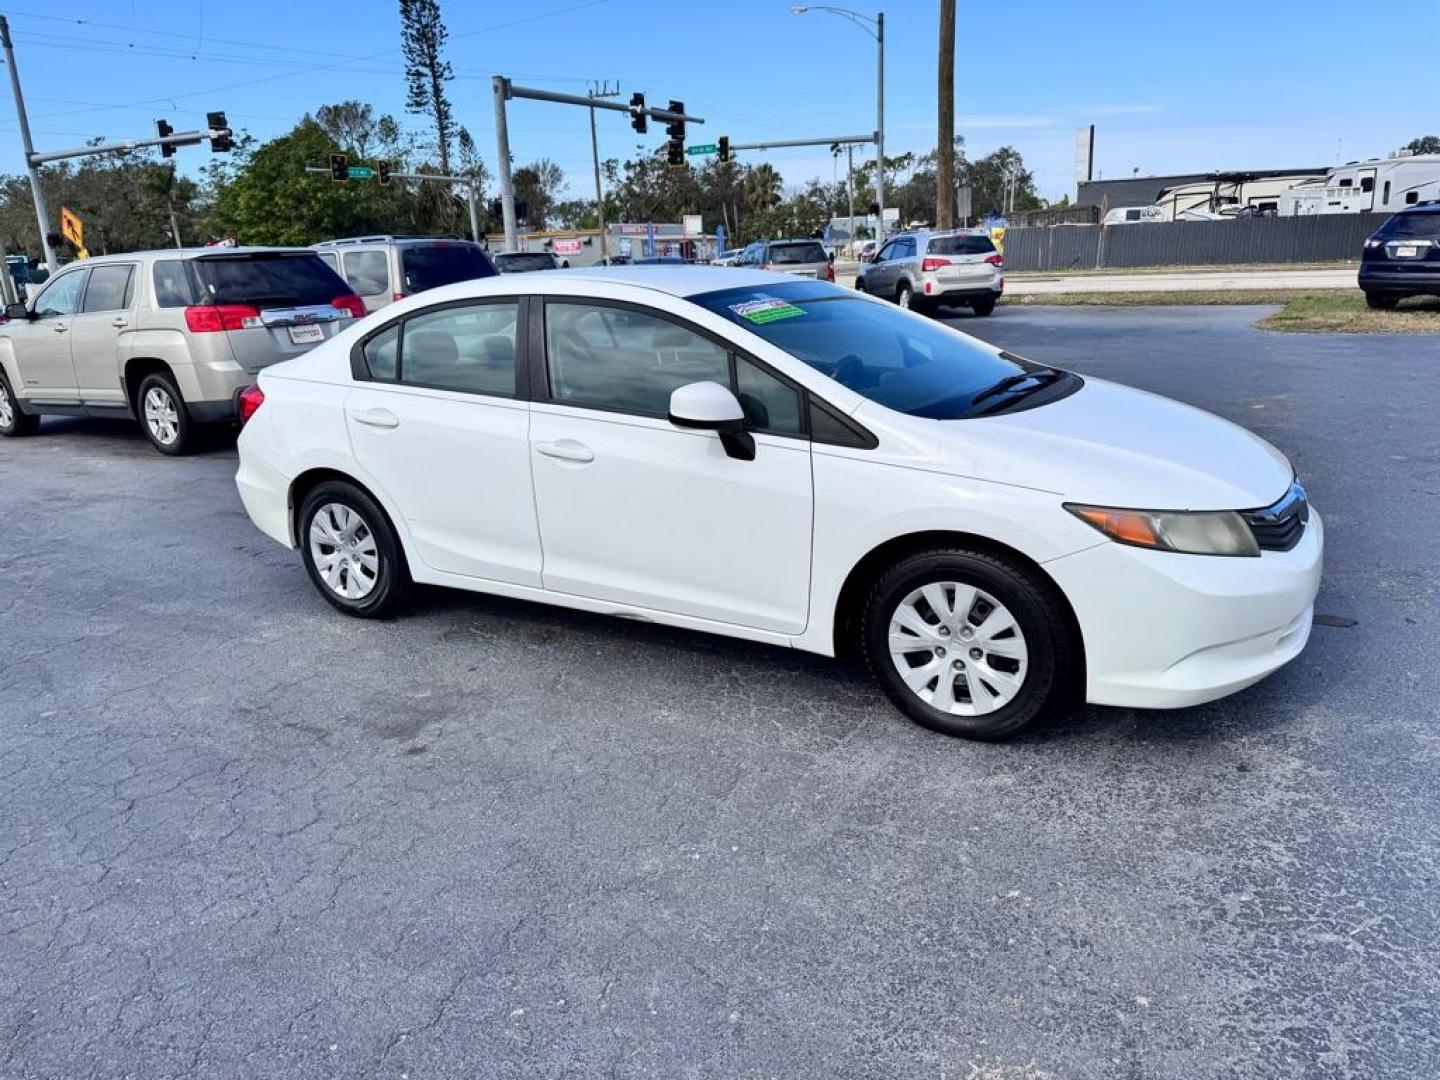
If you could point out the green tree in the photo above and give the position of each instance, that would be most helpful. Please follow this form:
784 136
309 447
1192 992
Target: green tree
1425 144
538 185
763 187
422 41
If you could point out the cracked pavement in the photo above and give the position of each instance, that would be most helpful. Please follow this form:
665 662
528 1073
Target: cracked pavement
242 836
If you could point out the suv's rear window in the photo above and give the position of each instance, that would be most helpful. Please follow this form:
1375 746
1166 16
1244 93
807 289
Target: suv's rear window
1412 226
961 245
432 265
520 262
268 279
790 254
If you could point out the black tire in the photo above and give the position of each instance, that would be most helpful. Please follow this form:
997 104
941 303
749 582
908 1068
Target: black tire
391 586
983 307
186 435
906 298
859 284
19 423
1052 662
1381 301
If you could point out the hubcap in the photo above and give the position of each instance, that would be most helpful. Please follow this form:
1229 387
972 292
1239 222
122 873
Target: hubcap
973 681
904 298
343 550
161 416
7 411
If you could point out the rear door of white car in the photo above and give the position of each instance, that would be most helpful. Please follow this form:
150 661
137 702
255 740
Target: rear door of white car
635 510
439 418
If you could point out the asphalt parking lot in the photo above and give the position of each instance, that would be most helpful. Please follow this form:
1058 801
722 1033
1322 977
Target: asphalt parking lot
241 836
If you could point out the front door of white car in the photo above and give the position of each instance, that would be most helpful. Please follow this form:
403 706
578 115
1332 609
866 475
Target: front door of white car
638 511
441 427
42 344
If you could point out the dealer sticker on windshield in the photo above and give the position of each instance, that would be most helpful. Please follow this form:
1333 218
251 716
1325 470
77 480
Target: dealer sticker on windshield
766 309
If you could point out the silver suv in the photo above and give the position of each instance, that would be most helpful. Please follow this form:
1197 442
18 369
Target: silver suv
170 338
923 269
804 258
383 269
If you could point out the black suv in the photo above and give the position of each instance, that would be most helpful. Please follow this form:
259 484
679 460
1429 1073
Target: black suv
1403 257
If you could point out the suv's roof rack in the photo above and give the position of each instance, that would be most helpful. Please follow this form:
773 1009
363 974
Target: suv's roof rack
379 238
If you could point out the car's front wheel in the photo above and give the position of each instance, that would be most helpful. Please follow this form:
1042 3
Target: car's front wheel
968 643
351 551
1381 301
12 421
162 415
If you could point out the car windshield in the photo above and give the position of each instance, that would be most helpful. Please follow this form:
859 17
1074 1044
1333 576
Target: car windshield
274 278
908 364
428 266
517 262
790 254
961 245
1412 226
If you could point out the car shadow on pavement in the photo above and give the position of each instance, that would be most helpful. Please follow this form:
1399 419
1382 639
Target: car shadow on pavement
126 434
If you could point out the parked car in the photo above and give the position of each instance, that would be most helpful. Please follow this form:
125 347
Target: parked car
729 258
790 462
805 258
523 262
383 269
867 250
923 269
1403 257
170 338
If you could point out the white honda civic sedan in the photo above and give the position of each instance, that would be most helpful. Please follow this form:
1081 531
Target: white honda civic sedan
794 463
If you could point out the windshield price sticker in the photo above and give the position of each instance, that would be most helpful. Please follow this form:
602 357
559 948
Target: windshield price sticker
765 309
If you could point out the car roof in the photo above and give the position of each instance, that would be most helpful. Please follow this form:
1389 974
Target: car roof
670 278
183 253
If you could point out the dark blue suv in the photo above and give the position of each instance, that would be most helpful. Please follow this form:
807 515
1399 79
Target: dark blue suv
1403 257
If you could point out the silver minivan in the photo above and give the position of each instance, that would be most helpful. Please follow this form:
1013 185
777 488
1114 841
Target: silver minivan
170 338
383 269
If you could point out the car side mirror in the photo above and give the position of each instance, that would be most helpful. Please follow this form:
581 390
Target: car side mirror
708 406
17 310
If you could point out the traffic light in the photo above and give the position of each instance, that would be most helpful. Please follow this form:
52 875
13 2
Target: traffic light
339 168
383 169
723 145
638 119
676 128
675 153
164 130
219 144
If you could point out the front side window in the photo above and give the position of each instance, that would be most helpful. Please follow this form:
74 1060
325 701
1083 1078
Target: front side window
615 358
913 366
368 272
886 252
470 348
428 266
109 288
61 296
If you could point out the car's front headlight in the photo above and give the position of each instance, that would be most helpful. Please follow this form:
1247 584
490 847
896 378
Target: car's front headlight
1219 532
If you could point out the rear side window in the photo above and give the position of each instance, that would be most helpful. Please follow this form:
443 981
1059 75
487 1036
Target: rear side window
268 280
173 287
469 348
368 272
382 354
109 288
965 245
331 260
790 254
431 265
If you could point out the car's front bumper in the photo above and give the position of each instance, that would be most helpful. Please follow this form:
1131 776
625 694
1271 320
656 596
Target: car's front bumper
1163 630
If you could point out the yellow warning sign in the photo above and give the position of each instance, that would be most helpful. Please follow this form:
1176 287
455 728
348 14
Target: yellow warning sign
71 227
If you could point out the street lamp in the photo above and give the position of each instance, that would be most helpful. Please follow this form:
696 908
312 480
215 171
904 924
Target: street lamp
875 28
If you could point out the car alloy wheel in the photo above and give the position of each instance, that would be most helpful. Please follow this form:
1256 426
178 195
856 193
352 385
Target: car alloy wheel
7 408
904 297
343 549
162 416
958 649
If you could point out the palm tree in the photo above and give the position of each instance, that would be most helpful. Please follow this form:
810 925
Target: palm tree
945 138
762 187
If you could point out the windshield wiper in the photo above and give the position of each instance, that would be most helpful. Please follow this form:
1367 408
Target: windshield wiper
1043 377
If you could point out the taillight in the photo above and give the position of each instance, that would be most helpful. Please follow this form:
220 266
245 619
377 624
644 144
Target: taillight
830 273
251 398
398 296
933 263
351 303
995 260
212 318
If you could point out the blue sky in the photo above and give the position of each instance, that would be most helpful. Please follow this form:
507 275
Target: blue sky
1171 87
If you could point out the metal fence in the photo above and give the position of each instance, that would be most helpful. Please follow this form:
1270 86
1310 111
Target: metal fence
1314 238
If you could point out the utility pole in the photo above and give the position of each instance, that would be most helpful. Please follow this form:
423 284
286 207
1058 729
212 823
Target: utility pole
850 189
42 216
880 122
600 91
501 86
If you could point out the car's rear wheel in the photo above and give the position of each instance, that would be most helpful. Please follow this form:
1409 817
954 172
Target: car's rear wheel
905 296
162 415
351 551
12 421
970 644
983 307
1381 301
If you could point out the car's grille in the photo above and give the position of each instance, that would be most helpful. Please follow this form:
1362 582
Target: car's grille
1279 526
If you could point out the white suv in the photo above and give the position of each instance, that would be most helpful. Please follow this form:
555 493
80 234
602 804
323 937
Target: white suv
923 269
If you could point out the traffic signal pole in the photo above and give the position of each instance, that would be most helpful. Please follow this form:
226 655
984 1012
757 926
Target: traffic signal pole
42 216
505 90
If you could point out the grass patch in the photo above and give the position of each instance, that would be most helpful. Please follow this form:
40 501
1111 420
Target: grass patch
1129 271
1335 311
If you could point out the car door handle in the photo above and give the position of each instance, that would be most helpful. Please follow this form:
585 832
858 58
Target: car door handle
566 450
381 418
118 322
60 328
